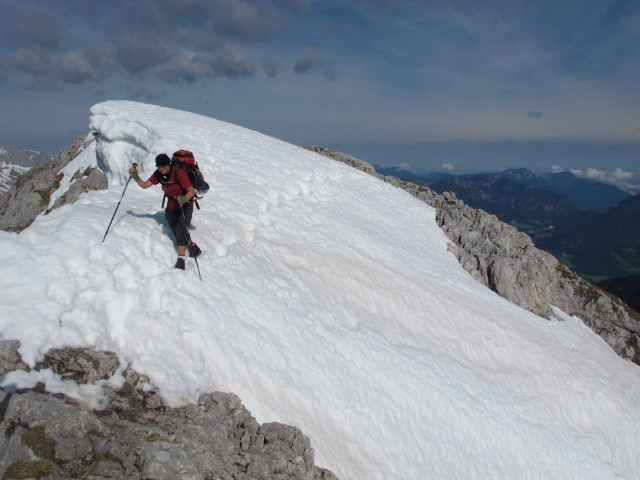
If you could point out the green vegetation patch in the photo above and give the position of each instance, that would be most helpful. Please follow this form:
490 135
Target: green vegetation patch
96 433
588 291
565 272
157 437
108 457
28 470
41 445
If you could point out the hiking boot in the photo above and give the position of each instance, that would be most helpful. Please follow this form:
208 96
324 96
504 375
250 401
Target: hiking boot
194 250
180 263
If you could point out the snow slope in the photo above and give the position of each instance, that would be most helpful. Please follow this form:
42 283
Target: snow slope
328 301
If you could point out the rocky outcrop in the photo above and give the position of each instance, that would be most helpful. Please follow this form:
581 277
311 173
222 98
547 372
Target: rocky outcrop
135 436
349 160
80 365
10 358
82 182
30 194
507 261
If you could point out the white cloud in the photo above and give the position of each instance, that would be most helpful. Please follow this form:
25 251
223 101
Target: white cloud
447 166
602 176
618 177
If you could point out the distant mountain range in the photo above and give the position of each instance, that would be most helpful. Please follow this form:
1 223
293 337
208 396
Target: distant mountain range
510 201
606 245
15 161
585 194
588 225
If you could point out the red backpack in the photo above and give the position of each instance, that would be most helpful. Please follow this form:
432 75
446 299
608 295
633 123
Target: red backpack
185 160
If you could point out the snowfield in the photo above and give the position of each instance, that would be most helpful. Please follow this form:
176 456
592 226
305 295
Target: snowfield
328 301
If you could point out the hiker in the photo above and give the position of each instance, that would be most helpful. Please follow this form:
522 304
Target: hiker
180 195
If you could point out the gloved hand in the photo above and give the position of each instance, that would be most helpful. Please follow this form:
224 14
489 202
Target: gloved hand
133 171
181 199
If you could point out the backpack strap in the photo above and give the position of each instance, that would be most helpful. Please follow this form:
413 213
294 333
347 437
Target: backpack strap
171 178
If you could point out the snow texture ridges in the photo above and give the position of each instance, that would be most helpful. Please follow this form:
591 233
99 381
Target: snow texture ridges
506 260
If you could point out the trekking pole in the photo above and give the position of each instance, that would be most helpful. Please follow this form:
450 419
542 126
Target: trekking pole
135 165
188 235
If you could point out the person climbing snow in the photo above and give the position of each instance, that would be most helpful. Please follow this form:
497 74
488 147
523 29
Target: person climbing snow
181 196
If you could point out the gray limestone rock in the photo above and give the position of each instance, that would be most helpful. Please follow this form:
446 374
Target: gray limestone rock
86 181
80 364
45 435
10 358
344 158
30 194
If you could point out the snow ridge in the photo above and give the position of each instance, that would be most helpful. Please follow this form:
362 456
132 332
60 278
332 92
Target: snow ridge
329 301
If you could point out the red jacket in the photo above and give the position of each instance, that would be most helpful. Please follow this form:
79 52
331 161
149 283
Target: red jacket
175 183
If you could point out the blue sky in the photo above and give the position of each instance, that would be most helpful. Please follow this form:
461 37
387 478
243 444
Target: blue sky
442 85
